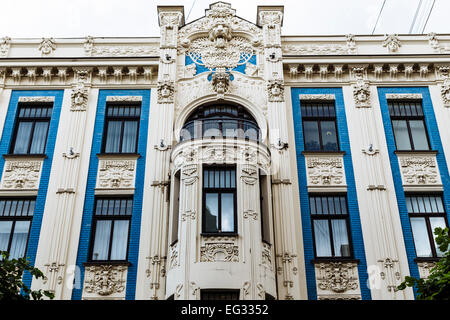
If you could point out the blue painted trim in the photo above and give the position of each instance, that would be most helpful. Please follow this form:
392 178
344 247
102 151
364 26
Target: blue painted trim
436 144
8 131
88 210
354 217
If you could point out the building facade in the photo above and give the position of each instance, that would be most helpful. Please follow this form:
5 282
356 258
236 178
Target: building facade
225 160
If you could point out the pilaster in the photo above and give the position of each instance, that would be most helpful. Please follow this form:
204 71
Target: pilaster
289 260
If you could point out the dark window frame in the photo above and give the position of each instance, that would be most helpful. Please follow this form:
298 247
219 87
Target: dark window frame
113 218
330 217
319 119
14 219
219 191
19 119
109 118
426 216
408 118
241 117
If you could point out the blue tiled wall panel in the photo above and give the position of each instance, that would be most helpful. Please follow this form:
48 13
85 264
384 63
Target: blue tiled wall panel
5 145
436 144
355 223
88 210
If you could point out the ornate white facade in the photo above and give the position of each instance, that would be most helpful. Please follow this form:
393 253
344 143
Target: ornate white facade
223 59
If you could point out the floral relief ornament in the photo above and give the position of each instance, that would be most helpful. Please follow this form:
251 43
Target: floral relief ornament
21 175
47 46
337 277
105 279
392 42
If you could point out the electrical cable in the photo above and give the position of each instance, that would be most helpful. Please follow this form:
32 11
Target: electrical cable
429 14
379 14
193 3
415 16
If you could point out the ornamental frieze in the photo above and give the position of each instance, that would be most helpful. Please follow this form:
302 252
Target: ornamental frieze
219 252
325 171
337 277
419 170
116 173
21 174
105 280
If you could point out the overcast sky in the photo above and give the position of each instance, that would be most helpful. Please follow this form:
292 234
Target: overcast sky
128 18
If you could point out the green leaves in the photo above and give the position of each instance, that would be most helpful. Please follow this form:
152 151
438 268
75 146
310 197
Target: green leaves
11 285
437 285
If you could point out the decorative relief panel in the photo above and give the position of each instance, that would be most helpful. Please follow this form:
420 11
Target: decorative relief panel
337 280
266 256
47 46
21 174
105 281
390 273
224 46
92 49
5 45
165 91
419 170
115 173
325 171
188 155
392 42
219 249
425 268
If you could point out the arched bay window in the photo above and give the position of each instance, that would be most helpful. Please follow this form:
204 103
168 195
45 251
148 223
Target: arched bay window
221 121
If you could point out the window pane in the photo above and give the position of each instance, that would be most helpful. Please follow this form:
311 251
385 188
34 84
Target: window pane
322 238
401 135
113 136
39 137
311 131
340 238
211 212
5 232
19 240
227 212
101 242
435 223
329 138
419 135
420 235
120 240
130 131
23 137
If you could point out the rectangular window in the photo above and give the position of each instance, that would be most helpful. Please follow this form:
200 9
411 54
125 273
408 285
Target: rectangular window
408 124
15 221
264 205
426 212
219 200
329 217
175 200
121 128
111 225
319 126
31 129
219 294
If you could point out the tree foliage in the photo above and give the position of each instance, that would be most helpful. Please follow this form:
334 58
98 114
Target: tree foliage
12 286
437 285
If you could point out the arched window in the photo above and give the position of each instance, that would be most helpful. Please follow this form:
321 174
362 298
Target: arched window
220 121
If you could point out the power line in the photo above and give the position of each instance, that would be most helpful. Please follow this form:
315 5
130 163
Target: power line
193 3
429 14
379 14
415 16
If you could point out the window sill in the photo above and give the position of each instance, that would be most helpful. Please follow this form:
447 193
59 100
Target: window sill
118 155
428 259
23 156
329 260
406 152
114 263
219 234
312 153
